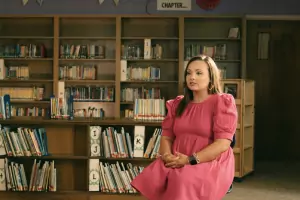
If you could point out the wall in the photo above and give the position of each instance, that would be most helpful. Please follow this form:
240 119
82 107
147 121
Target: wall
271 7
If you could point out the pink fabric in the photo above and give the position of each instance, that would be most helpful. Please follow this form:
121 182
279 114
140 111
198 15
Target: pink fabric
200 124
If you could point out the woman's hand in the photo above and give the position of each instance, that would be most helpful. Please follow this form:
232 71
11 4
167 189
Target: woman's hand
179 161
166 158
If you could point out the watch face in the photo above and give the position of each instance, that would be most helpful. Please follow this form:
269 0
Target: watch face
208 4
192 160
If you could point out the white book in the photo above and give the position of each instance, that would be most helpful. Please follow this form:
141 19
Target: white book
123 70
2 70
147 48
2 176
95 133
185 65
139 141
2 147
61 89
94 175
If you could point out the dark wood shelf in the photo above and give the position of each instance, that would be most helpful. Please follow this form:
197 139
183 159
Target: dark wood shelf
28 59
48 192
152 38
85 38
212 39
27 37
81 121
153 60
27 101
90 81
123 159
149 82
26 81
87 59
50 157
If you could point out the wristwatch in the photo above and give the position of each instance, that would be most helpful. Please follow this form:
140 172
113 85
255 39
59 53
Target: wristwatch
193 159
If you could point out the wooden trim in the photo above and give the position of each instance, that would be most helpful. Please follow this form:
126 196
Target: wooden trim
244 48
123 15
181 55
118 67
56 56
273 17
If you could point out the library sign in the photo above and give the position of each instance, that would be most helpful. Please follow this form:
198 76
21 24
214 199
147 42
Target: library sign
174 5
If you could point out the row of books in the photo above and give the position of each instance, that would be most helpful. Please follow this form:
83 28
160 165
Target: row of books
77 51
149 73
5 106
42 178
75 72
91 93
24 141
63 108
112 143
17 111
130 94
13 72
149 109
127 113
23 51
112 178
28 93
217 52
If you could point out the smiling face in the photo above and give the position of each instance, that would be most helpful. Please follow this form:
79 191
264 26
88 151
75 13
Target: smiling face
197 76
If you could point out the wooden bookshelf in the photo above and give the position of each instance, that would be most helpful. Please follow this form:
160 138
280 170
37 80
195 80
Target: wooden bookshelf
243 91
68 140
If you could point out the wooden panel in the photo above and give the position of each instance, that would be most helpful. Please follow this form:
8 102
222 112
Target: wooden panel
87 27
150 27
210 27
276 102
60 140
38 195
26 26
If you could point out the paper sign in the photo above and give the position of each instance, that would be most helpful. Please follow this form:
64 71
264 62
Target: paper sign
174 5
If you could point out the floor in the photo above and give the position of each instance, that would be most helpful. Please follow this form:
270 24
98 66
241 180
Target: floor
271 181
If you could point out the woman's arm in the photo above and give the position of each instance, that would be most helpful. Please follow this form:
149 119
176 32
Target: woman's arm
224 127
167 137
165 145
207 154
165 150
213 150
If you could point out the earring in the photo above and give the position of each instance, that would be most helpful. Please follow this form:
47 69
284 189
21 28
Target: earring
211 87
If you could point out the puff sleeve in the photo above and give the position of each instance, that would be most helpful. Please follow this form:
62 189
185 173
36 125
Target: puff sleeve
225 117
167 123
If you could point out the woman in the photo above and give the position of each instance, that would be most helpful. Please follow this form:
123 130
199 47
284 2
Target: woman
196 161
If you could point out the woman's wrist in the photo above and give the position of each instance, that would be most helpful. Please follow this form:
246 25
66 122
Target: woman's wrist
164 155
193 159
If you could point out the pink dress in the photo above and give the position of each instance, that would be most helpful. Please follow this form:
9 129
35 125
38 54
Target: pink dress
200 124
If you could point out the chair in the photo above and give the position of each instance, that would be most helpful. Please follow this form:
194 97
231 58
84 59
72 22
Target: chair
232 146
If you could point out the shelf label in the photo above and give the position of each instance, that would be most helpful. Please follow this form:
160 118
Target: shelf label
174 5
